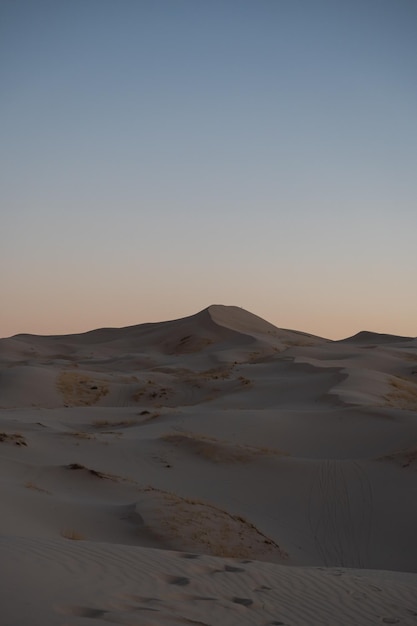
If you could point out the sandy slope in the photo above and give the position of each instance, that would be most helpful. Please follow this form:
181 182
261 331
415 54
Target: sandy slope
290 459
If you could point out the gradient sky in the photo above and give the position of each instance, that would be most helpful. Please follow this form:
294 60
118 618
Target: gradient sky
158 156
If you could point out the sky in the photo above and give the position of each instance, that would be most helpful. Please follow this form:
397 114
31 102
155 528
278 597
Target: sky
159 156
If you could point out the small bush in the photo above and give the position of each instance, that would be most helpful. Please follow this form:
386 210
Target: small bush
74 535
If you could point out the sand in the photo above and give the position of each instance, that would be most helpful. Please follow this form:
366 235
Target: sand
208 470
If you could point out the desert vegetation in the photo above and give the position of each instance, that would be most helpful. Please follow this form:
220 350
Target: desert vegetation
215 450
192 524
15 438
403 393
80 389
74 535
407 457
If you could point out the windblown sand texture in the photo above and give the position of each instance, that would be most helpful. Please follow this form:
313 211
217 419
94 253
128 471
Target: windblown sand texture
212 470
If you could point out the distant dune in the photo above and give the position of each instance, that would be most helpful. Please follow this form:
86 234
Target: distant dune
208 470
366 337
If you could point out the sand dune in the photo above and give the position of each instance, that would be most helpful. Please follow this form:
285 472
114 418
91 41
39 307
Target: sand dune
212 469
374 339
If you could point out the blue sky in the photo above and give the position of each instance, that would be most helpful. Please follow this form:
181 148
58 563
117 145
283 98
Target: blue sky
160 156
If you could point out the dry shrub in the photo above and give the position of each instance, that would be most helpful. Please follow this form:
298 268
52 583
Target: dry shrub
188 344
305 343
101 423
189 524
70 533
81 435
149 418
403 394
80 389
215 450
97 474
16 438
197 377
152 392
31 485
107 423
405 457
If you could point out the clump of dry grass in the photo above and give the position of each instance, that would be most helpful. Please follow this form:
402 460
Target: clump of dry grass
80 435
74 535
152 392
405 457
188 344
219 373
98 474
189 524
196 378
80 389
15 438
31 485
215 450
107 427
403 394
410 456
102 423
149 417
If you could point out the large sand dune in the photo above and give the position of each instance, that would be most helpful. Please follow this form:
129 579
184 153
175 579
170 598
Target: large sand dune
208 470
